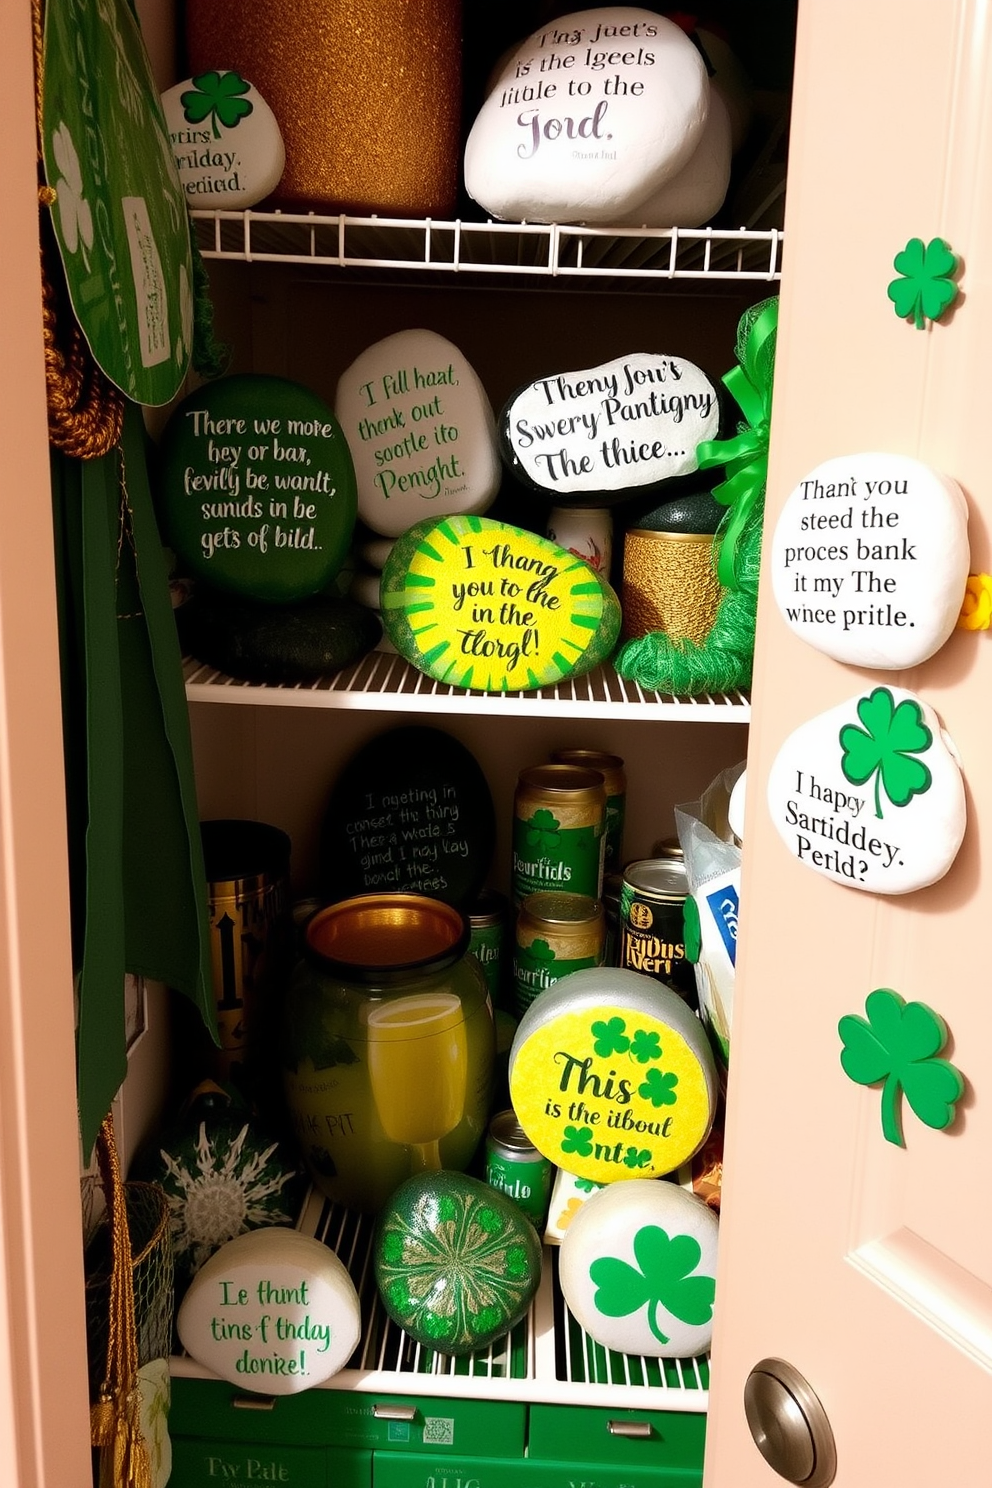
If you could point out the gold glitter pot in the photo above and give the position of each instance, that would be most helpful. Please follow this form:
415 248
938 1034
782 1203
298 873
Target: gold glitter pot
368 97
669 584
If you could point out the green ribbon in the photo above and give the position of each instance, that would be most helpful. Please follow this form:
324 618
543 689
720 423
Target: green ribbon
746 455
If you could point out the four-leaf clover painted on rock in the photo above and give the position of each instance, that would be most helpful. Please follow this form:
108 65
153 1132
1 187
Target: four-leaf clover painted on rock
884 748
610 1037
659 1088
925 288
645 1046
664 1281
217 96
897 1047
577 1139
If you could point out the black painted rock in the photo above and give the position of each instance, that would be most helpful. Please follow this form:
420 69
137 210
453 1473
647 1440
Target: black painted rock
411 812
258 642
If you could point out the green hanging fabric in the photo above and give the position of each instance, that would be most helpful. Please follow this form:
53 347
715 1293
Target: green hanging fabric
138 884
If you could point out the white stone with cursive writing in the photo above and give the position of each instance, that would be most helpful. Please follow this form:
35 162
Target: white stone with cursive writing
870 559
273 1311
696 193
587 118
626 426
227 144
420 430
870 793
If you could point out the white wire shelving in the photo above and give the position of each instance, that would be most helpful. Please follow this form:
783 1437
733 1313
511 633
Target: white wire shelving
544 250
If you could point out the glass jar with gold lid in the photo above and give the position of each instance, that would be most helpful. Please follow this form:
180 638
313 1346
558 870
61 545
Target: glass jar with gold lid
387 1045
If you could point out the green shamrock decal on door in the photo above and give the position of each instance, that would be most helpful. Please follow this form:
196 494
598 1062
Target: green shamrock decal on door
884 748
217 96
897 1048
663 1281
925 288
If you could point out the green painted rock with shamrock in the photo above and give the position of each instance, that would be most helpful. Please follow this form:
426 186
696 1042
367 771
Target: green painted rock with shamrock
638 1269
870 794
457 1263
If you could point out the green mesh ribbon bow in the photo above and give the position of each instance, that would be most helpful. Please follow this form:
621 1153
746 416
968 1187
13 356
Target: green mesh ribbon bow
746 455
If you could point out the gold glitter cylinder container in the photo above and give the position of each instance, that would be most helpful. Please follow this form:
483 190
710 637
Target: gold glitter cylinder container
669 584
368 96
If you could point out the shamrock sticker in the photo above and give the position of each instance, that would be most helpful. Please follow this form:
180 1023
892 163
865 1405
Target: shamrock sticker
925 288
659 1089
645 1046
610 1037
542 829
663 1281
577 1139
884 746
217 96
897 1047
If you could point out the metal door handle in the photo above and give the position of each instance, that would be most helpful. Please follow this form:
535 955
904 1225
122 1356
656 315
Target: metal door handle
789 1425
638 1429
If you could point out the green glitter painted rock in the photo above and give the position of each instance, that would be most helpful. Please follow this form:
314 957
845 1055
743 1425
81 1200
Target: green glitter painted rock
456 1262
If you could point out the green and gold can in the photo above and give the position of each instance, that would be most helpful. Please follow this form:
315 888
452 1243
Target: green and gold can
559 831
652 897
555 934
487 919
610 766
516 1168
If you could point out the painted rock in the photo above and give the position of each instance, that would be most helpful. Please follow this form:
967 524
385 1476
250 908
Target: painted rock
611 1075
870 793
410 812
456 1262
870 559
223 1176
257 488
638 1269
606 433
695 193
420 429
484 605
273 1311
227 144
587 118
267 643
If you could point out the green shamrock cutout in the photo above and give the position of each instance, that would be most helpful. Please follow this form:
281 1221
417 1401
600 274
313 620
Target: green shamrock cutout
926 288
883 748
898 1044
610 1037
645 1046
664 1280
216 96
659 1089
578 1139
542 829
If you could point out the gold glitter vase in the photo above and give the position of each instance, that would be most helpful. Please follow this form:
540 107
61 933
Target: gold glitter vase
367 95
669 584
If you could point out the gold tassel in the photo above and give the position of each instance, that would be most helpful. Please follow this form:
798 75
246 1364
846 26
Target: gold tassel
115 1418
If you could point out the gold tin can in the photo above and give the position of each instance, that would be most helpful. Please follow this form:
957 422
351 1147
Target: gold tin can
555 934
652 899
610 766
251 938
669 584
559 831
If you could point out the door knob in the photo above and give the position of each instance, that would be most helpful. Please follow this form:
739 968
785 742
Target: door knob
788 1424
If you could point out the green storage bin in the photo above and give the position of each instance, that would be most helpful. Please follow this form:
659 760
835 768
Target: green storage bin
666 1442
425 1470
207 1464
215 1410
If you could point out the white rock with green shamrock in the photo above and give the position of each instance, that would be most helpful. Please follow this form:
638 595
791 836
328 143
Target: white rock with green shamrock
225 140
638 1269
870 793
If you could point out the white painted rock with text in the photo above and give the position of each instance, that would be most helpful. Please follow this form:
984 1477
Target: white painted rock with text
227 144
587 118
421 432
